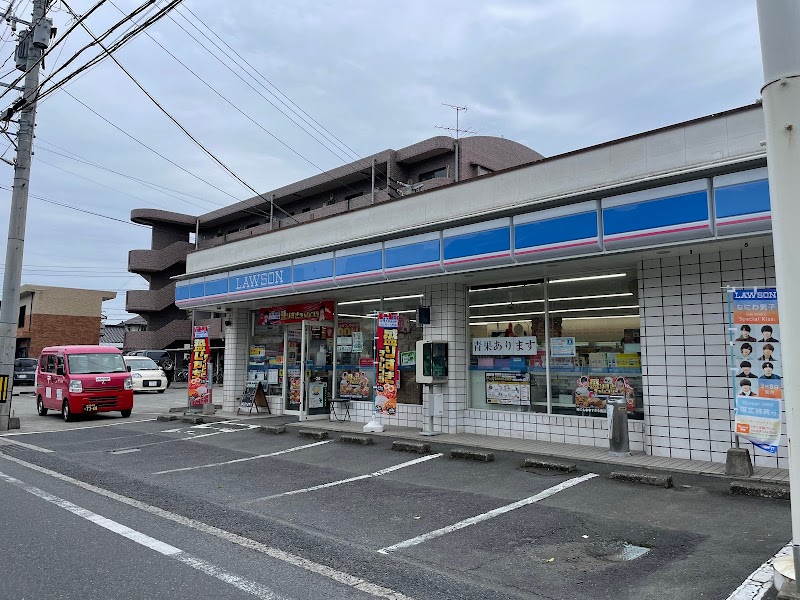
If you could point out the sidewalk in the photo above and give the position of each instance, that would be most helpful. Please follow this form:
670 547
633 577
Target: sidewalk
531 447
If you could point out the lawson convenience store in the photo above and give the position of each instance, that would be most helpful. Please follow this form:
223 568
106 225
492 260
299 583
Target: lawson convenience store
602 272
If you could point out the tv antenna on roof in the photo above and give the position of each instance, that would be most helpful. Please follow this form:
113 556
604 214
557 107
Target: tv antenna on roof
458 130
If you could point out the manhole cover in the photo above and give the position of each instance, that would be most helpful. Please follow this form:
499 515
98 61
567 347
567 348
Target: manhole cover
628 552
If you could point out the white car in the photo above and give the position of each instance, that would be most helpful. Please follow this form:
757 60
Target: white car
147 376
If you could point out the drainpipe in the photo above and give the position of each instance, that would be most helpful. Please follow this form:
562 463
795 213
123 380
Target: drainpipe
457 160
196 233
779 28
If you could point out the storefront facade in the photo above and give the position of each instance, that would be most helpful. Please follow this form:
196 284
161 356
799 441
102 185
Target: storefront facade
602 272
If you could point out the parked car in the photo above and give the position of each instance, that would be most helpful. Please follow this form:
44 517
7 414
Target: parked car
161 357
147 376
25 371
83 379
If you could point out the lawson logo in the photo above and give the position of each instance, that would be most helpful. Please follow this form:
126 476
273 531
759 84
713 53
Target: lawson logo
258 280
766 294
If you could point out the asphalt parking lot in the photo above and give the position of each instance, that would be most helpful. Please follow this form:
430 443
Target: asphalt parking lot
424 526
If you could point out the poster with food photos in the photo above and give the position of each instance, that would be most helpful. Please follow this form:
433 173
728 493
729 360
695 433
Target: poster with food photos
756 365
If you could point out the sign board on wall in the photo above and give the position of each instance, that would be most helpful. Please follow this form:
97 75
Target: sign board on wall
757 365
504 346
562 347
295 313
508 388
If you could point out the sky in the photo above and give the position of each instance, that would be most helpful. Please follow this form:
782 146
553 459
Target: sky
555 75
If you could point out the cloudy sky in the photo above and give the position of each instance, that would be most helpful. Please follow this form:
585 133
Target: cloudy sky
555 75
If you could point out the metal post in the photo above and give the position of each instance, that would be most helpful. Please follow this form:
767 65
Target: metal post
779 28
9 310
271 209
373 182
196 234
547 347
457 159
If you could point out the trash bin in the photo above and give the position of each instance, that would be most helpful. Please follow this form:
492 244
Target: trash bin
617 410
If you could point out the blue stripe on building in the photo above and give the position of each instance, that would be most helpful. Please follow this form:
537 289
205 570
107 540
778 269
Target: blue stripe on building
181 292
413 254
196 290
260 280
742 199
359 263
218 286
664 212
553 231
477 243
311 271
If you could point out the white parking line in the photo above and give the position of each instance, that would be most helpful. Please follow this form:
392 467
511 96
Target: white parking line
760 581
24 445
322 486
488 515
238 460
76 428
245 585
357 583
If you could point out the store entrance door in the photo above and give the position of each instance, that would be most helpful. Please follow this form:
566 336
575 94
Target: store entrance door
308 357
316 385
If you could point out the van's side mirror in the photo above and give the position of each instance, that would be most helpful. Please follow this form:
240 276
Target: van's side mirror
60 371
129 368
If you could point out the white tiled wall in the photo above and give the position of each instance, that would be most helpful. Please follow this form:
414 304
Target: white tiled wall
408 415
686 354
236 357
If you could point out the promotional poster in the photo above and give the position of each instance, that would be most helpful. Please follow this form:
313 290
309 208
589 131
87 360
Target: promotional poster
593 392
296 313
199 389
757 365
388 365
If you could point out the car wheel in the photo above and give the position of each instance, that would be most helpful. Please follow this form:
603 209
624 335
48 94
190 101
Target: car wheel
40 407
167 364
161 391
65 412
126 414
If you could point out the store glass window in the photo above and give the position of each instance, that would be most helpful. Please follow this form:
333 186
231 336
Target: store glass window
589 334
507 347
356 347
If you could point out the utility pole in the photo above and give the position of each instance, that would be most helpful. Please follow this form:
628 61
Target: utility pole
31 45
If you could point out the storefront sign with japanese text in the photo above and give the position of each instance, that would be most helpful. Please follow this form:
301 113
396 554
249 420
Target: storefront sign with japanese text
295 313
757 365
562 347
504 346
387 378
199 390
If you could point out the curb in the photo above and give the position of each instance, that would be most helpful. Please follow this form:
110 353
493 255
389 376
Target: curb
664 481
313 434
414 447
274 429
477 455
364 440
760 490
193 420
166 418
551 465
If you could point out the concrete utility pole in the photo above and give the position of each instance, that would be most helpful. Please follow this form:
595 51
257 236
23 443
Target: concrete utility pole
31 45
779 28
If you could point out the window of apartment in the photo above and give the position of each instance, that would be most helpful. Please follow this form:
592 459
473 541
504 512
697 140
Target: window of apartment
441 172
21 319
587 329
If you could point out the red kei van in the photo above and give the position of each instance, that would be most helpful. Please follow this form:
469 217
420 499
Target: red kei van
83 379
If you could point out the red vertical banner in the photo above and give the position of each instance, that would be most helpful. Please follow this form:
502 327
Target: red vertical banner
199 389
387 377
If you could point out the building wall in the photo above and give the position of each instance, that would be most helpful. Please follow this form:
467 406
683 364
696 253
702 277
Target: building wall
236 358
67 301
56 330
689 409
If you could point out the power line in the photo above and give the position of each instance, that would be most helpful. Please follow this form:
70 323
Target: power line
83 210
178 124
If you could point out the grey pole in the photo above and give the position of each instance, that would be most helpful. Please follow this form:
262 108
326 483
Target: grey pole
779 29
197 233
271 210
373 182
9 310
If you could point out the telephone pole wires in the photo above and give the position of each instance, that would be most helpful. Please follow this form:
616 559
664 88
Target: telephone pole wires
32 44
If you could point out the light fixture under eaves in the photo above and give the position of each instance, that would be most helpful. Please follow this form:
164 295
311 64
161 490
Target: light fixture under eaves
589 278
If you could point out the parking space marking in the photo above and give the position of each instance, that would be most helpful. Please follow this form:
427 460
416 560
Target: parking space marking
245 585
488 515
24 445
322 486
760 581
75 428
357 583
239 460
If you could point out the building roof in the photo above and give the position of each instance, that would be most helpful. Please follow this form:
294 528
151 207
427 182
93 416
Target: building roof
113 334
137 320
28 288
